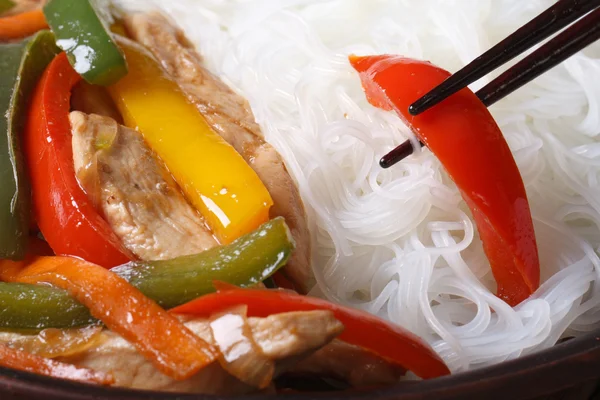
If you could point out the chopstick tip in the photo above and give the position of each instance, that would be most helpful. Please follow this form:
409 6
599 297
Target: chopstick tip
396 155
414 109
385 163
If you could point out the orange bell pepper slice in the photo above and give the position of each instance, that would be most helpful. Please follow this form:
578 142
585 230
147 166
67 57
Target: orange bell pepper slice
22 25
159 336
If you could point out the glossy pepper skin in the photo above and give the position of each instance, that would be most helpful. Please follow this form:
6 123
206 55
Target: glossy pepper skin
214 177
81 27
362 329
463 135
65 215
21 65
245 262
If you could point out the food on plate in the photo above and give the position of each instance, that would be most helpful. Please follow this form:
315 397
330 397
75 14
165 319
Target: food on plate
151 187
153 234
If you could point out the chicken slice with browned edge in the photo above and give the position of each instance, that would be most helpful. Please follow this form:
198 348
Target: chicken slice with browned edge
230 116
134 191
282 338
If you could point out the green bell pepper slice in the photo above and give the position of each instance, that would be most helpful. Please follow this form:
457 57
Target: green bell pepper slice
245 262
32 307
81 29
21 65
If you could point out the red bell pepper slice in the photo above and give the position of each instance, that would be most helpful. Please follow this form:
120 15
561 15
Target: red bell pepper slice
463 135
65 215
362 329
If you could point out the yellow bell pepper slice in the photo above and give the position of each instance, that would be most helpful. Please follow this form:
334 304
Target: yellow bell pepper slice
214 177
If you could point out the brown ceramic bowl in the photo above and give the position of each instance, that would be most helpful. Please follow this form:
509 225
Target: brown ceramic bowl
570 370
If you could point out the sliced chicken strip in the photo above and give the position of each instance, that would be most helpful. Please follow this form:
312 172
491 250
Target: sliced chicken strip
350 363
283 338
230 116
134 191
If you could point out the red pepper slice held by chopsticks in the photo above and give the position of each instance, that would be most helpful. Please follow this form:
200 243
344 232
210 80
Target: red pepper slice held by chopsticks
463 135
387 340
65 215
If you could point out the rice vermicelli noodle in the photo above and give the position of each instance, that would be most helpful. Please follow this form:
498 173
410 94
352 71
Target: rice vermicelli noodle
400 243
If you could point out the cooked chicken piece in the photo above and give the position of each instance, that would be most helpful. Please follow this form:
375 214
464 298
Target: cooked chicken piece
135 192
230 116
351 364
283 338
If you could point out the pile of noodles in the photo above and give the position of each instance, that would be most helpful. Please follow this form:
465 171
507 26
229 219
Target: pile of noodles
401 243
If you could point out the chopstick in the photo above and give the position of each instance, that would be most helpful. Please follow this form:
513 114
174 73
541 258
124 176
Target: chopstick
570 41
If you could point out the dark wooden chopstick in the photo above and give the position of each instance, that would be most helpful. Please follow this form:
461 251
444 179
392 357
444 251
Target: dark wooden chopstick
577 37
564 45
547 23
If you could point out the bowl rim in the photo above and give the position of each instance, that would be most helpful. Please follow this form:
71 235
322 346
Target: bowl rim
565 365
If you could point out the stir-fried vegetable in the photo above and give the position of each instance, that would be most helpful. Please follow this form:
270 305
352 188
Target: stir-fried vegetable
245 262
464 136
383 338
6 5
21 65
157 335
65 215
128 299
22 25
214 176
23 361
82 31
31 307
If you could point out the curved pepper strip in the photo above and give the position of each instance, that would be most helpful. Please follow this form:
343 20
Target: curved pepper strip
160 337
21 65
16 359
22 25
463 135
65 216
387 340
